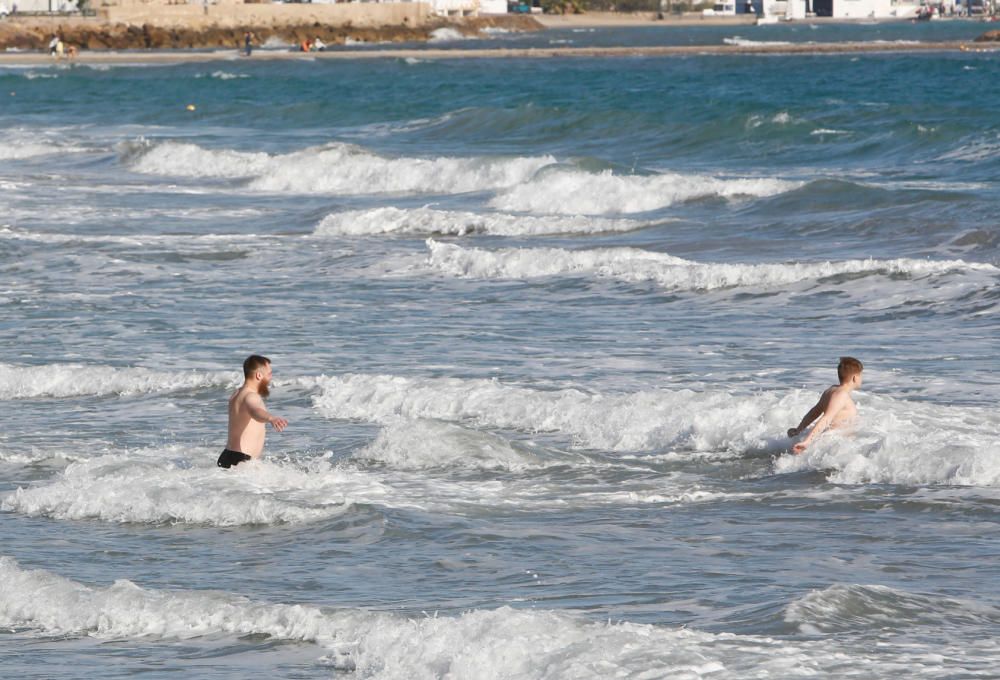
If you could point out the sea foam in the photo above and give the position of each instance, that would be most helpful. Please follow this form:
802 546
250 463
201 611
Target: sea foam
474 645
159 488
895 441
910 443
635 265
337 169
648 420
429 221
575 192
77 380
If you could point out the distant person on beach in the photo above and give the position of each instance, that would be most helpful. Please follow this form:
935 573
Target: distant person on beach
247 43
55 46
247 414
835 407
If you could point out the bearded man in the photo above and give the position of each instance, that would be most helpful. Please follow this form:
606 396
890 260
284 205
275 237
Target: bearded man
247 414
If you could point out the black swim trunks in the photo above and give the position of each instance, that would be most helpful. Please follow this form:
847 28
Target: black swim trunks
229 458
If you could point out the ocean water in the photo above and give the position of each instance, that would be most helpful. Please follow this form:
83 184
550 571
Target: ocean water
539 327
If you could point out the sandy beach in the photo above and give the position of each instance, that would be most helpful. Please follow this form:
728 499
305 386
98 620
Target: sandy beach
178 56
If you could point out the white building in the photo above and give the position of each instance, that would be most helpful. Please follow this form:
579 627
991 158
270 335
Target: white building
455 8
860 9
41 5
492 6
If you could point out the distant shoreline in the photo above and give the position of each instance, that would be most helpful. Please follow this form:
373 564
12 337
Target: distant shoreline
185 56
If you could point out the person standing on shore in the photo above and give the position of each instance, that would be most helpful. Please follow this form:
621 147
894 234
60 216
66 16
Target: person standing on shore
248 416
247 43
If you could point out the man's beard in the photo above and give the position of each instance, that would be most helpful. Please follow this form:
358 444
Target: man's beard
264 388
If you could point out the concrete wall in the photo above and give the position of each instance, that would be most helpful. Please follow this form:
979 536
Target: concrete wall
231 14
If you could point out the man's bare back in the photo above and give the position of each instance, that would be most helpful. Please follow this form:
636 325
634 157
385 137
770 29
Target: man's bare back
247 414
835 408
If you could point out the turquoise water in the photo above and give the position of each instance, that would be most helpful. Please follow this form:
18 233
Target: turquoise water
539 327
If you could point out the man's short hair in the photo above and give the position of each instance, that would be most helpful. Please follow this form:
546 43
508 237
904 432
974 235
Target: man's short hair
252 363
848 367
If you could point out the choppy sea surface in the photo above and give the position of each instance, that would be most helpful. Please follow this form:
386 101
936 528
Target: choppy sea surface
539 327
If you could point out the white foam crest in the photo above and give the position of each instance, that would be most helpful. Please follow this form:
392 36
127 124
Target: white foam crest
856 607
182 159
339 169
141 240
737 41
162 486
475 645
222 75
422 444
25 144
574 192
635 265
343 169
429 221
910 443
153 487
77 380
56 605
648 420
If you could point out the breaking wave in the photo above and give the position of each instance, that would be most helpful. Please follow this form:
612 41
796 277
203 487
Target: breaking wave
574 192
896 441
911 444
646 420
844 608
335 169
634 265
480 644
77 380
429 221
163 487
737 41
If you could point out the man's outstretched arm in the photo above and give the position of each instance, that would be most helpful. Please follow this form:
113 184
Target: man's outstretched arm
255 405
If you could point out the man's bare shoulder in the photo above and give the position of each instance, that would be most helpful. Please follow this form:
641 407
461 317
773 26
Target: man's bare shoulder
244 395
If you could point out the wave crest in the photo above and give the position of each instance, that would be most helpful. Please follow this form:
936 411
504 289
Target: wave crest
429 221
78 380
844 608
635 265
574 192
337 169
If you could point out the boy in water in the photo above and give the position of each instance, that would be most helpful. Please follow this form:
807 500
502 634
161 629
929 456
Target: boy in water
835 405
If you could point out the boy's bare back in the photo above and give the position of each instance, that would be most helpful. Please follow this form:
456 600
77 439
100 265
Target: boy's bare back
835 408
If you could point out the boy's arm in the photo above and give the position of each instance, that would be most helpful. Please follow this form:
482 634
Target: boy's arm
807 419
837 401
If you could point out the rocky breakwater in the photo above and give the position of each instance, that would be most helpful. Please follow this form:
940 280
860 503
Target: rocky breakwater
93 35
